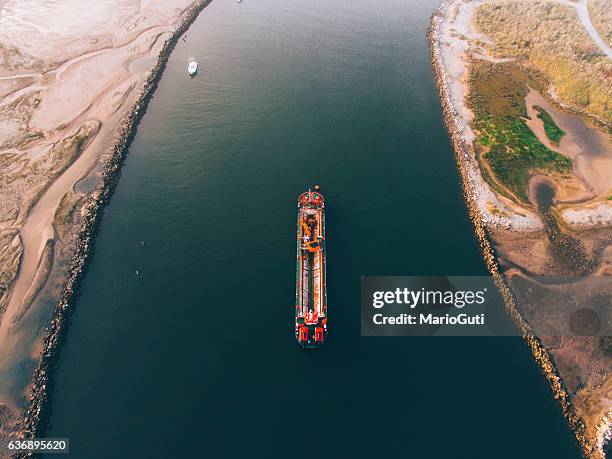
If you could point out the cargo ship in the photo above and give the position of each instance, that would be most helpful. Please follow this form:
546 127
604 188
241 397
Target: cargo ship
311 287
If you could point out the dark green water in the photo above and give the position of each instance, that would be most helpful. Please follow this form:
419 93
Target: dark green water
196 355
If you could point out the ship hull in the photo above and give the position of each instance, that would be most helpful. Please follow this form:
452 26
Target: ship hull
311 285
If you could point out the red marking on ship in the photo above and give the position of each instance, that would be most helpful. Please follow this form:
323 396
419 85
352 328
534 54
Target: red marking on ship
311 288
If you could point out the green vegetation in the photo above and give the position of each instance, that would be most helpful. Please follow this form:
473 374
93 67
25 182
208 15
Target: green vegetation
505 143
514 152
553 132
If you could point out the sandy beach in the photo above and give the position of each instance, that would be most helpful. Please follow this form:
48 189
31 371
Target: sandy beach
70 97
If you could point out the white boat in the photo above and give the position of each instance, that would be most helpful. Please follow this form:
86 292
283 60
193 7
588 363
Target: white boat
192 68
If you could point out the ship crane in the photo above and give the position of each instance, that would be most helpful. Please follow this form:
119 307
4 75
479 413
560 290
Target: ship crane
311 289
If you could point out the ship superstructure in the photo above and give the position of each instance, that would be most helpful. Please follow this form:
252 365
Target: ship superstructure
311 288
192 67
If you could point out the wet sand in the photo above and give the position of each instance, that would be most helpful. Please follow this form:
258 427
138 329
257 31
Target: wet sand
89 68
590 149
34 234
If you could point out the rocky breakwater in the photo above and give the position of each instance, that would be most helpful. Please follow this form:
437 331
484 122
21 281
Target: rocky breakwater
508 231
89 219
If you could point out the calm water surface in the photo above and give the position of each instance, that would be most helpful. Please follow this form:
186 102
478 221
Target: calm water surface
196 355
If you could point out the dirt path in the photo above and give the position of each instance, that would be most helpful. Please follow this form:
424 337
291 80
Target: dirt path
583 14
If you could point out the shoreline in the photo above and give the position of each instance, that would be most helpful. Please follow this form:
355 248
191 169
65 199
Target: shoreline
95 202
83 243
592 447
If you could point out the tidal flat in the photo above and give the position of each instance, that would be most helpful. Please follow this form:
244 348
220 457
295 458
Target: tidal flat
74 80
